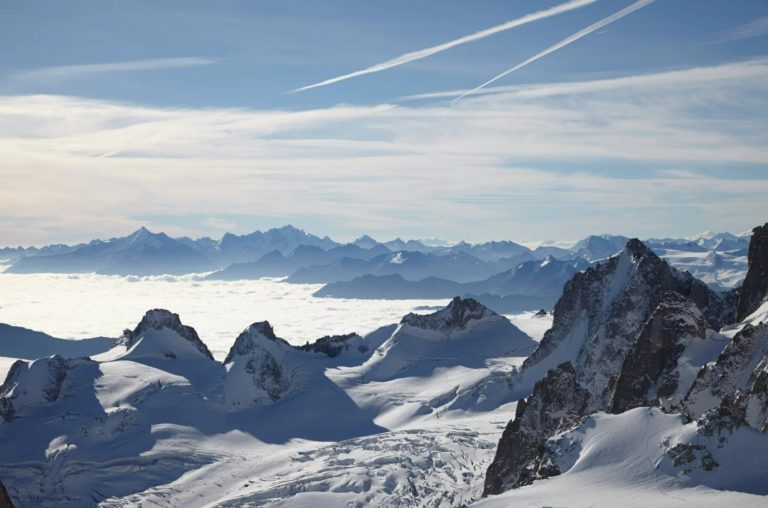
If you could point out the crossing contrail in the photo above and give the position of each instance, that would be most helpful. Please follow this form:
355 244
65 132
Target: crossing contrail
578 35
423 53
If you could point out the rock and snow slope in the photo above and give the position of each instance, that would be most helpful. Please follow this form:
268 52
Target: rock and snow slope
633 333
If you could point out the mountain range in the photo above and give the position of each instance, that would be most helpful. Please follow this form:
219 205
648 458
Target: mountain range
367 268
648 382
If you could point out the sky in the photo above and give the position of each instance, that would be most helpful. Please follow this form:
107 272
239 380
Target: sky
643 118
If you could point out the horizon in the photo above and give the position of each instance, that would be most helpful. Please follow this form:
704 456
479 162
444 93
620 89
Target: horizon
343 119
531 244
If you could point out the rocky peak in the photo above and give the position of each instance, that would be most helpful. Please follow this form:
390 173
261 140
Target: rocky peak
755 288
638 248
257 335
558 403
257 373
455 316
600 314
157 319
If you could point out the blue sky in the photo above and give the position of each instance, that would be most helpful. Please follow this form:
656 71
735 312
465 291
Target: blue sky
178 115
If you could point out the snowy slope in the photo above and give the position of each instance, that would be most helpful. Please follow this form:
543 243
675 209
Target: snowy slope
157 405
643 458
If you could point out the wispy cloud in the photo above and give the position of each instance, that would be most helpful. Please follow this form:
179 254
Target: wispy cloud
64 72
703 77
756 28
543 156
568 40
424 53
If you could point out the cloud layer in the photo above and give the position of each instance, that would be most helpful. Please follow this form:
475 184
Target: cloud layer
638 155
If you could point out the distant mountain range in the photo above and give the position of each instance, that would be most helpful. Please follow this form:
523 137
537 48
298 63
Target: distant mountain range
529 285
367 268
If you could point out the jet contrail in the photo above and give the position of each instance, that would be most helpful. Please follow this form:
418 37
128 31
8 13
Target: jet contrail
578 35
423 53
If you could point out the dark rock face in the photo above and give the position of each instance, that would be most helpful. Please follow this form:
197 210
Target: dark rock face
161 318
558 403
600 314
649 370
718 308
755 288
257 355
333 345
740 374
455 316
5 499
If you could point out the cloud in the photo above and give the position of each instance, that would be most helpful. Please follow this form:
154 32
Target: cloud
65 72
424 53
219 223
556 160
568 40
708 77
756 28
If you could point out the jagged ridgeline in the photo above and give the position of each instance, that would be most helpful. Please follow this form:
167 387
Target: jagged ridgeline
633 333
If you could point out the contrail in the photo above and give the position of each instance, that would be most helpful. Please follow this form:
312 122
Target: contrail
423 53
578 35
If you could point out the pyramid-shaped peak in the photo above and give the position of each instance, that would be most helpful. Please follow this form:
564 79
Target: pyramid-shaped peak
157 319
636 246
455 316
260 334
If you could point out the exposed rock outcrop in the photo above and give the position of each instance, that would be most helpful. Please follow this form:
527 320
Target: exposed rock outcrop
740 375
649 374
5 499
256 373
558 403
600 314
333 345
755 288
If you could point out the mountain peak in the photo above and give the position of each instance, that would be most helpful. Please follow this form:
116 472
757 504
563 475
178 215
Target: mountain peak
638 249
157 319
141 232
455 316
257 335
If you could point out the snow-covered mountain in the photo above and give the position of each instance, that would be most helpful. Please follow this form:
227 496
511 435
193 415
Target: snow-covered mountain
141 253
158 395
246 248
628 335
645 381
